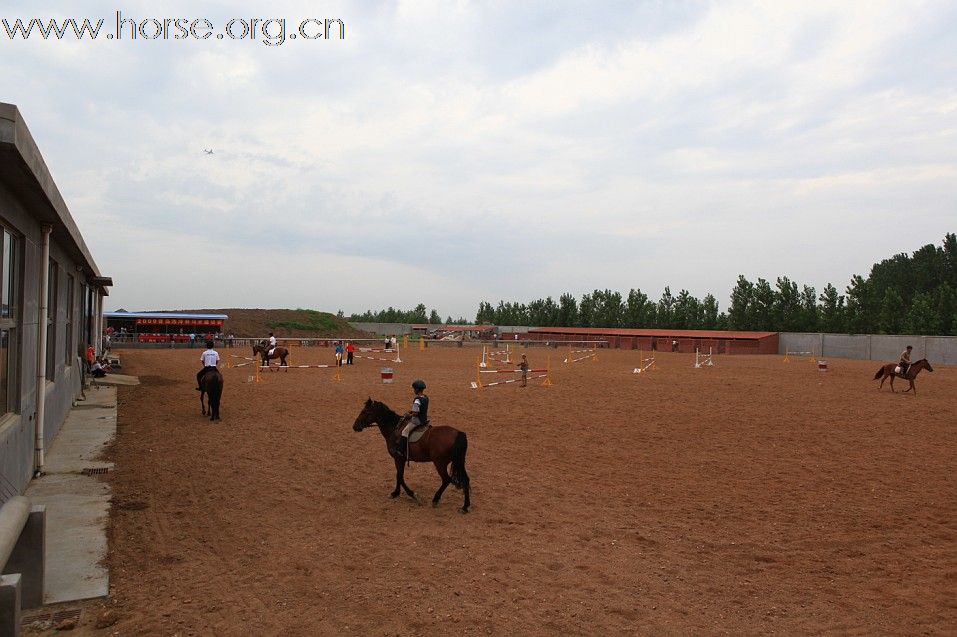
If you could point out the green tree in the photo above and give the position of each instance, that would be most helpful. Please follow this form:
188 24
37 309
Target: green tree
832 310
809 310
567 311
586 311
709 313
763 306
666 309
434 318
922 317
892 312
742 298
786 311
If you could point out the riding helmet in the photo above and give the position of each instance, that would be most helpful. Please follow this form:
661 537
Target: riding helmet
418 385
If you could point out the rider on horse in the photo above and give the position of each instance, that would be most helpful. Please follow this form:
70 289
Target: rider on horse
905 360
418 415
272 344
209 358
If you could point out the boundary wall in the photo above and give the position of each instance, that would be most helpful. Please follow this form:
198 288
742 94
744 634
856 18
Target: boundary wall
882 347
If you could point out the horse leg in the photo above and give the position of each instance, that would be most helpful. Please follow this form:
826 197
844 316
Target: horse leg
892 382
912 387
408 491
398 479
466 504
446 480
202 401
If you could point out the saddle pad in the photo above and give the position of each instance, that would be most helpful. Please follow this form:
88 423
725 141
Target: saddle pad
897 370
418 432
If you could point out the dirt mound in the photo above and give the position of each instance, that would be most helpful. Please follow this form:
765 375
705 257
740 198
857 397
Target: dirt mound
245 322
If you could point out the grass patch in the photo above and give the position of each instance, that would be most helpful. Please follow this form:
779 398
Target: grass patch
310 321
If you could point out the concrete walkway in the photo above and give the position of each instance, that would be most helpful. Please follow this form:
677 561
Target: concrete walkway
78 505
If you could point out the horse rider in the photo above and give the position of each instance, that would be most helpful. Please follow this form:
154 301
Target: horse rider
272 344
905 360
418 415
209 358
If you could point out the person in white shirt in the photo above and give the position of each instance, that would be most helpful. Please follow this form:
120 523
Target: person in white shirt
210 359
272 343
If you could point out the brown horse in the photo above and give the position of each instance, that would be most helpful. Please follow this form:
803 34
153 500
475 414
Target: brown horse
439 445
263 350
212 384
887 371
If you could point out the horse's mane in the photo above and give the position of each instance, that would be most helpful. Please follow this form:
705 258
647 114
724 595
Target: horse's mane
380 407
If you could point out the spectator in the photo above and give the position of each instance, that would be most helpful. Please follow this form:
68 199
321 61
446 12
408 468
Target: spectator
98 369
350 350
339 353
192 340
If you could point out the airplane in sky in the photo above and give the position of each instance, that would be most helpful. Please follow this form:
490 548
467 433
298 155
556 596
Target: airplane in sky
208 151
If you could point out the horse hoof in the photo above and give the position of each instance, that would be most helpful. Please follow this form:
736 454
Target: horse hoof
463 510
435 505
394 495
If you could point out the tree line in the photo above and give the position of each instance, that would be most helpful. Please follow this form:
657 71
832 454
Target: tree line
905 294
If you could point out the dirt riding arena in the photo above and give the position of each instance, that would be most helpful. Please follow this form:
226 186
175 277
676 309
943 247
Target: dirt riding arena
752 497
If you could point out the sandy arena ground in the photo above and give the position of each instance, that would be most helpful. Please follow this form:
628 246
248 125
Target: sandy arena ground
752 497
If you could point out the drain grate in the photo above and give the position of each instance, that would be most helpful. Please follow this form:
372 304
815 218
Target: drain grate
95 471
51 618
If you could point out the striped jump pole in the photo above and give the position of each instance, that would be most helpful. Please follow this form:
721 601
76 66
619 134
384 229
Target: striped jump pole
645 364
593 355
544 373
286 368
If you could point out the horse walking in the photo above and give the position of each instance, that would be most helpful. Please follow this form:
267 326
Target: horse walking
439 445
278 352
212 384
887 371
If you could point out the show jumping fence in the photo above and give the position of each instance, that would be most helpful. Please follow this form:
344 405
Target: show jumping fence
703 360
645 365
543 373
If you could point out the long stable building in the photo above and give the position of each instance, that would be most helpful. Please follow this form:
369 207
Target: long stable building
51 299
687 341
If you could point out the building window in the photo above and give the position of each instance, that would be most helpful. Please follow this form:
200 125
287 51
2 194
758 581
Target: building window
51 320
9 320
68 349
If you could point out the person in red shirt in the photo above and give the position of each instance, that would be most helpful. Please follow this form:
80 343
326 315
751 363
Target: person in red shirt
90 356
350 349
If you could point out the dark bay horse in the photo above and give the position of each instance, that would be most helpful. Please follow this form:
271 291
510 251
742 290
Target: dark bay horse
263 350
439 445
887 371
212 384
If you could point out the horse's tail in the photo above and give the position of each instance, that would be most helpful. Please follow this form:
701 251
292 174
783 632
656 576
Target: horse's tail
460 479
880 373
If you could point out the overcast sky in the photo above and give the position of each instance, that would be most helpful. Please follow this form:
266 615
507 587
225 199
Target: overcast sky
450 152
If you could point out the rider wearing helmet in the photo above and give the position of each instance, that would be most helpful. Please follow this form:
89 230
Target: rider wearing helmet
210 359
418 415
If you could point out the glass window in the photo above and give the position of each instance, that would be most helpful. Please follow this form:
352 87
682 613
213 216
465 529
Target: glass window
51 320
9 320
68 348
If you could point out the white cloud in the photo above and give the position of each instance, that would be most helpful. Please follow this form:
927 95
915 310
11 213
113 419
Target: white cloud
494 151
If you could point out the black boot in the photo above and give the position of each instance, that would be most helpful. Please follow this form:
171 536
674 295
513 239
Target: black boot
398 449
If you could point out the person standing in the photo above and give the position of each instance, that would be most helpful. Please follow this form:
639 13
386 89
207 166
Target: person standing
338 353
210 359
523 365
350 350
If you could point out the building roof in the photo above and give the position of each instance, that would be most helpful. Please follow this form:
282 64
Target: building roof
166 315
628 331
22 168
